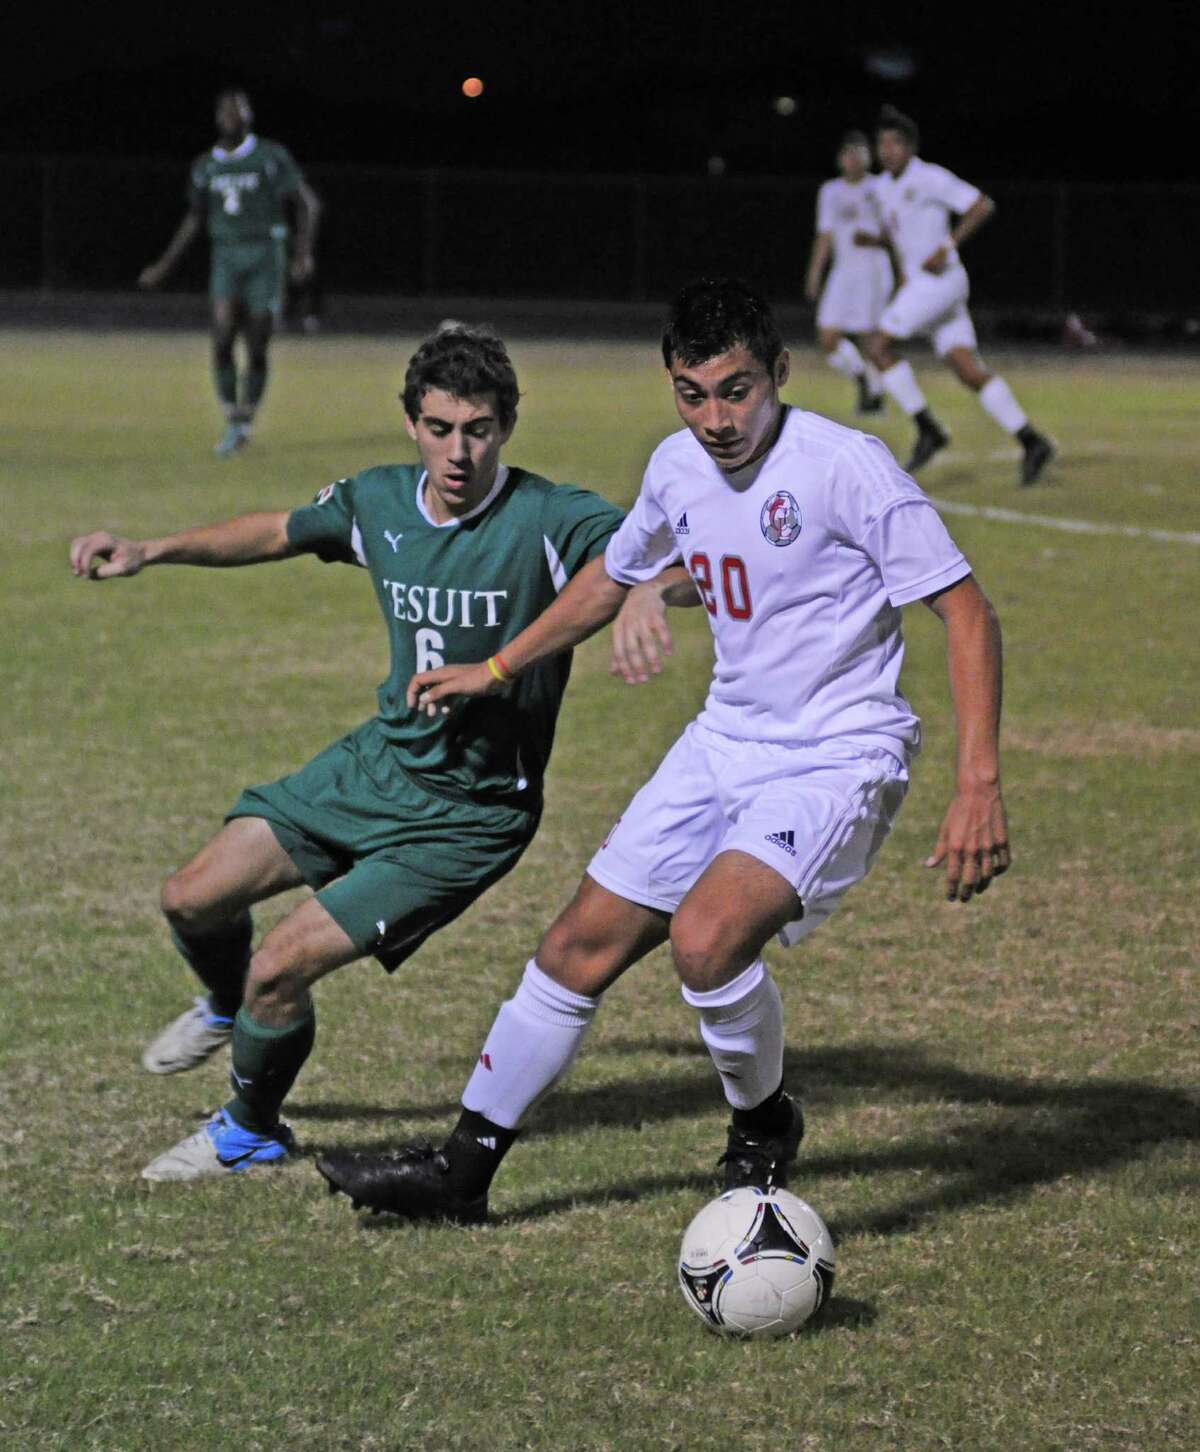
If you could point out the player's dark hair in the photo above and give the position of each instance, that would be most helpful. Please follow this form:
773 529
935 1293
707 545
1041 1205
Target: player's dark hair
465 362
854 138
890 119
713 315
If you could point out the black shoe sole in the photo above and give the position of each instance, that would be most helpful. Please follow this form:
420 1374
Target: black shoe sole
385 1200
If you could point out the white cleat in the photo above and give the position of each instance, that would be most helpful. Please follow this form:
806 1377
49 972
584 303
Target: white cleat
219 1148
235 438
188 1041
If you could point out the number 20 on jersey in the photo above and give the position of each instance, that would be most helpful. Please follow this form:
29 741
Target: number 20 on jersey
734 584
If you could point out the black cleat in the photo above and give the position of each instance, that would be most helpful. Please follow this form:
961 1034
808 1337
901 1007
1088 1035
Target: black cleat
1038 453
930 438
762 1161
413 1182
868 402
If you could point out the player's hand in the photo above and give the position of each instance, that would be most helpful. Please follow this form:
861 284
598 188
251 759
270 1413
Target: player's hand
152 276
972 842
430 691
104 556
640 636
302 267
936 261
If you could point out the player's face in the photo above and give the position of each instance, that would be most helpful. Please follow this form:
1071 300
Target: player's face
460 441
894 151
854 162
730 403
233 116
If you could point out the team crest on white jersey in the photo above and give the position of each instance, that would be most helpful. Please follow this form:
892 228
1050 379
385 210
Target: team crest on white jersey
780 519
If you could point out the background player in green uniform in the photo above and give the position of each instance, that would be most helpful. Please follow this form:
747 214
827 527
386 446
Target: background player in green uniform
400 825
241 191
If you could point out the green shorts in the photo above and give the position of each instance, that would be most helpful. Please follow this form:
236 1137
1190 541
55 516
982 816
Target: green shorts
252 273
390 862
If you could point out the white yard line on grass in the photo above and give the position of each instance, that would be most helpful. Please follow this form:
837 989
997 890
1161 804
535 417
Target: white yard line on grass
1070 526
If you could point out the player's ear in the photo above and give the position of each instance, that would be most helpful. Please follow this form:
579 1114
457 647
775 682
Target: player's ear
783 368
508 430
411 426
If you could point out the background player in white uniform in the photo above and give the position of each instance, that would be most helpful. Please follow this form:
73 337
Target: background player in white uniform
918 201
850 232
804 541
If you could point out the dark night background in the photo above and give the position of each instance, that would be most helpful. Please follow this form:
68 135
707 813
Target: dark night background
634 144
1040 91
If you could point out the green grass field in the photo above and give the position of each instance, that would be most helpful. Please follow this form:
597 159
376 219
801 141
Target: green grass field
1002 1116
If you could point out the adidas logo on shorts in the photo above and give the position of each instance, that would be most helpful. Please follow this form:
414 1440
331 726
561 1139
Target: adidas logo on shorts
786 840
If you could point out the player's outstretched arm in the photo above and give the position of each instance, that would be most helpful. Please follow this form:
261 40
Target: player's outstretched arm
822 248
250 539
973 840
588 601
158 272
308 216
640 634
968 224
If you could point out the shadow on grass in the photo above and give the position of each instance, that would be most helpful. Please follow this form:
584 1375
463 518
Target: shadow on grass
842 1313
1038 1130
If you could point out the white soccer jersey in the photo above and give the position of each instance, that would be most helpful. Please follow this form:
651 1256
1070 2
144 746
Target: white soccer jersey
917 207
803 562
844 208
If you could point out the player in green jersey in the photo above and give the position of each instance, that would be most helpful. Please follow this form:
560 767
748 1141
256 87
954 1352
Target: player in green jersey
241 191
400 825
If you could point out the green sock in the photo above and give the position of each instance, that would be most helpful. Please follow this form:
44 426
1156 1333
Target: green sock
255 385
264 1066
225 381
219 959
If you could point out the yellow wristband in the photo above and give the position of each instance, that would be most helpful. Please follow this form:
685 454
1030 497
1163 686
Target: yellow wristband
496 671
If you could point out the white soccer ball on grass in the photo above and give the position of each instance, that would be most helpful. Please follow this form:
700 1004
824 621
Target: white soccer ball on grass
756 1263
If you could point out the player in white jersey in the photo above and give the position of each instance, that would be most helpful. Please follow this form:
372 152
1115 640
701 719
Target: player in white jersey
804 541
849 232
918 201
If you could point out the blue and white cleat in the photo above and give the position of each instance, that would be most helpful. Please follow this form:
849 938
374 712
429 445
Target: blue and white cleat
221 1147
235 437
188 1040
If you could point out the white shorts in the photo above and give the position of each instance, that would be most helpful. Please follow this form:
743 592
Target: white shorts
855 293
815 813
933 305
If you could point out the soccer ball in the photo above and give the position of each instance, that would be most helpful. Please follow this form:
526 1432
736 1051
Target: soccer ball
756 1263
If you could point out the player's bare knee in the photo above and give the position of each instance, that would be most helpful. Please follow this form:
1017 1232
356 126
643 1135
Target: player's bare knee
276 981
567 956
702 952
186 904
877 351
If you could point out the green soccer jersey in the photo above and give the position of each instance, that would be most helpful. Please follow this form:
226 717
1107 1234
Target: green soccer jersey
457 592
241 192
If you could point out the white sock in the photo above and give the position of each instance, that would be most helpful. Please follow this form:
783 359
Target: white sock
997 399
846 359
531 1045
742 1024
901 383
874 377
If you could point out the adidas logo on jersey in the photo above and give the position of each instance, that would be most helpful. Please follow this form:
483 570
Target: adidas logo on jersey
786 840
681 524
